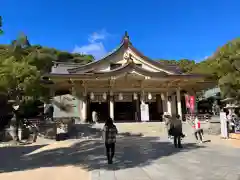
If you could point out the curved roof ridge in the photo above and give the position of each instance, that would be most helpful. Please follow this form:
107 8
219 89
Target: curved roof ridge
97 61
153 62
130 65
125 43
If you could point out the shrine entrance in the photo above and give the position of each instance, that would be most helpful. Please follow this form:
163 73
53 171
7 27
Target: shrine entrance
102 110
153 111
124 111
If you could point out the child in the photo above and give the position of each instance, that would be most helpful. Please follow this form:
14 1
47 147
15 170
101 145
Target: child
198 131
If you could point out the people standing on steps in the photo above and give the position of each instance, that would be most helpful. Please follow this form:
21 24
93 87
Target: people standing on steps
109 136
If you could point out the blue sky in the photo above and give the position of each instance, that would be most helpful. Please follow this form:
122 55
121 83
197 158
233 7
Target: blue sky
168 29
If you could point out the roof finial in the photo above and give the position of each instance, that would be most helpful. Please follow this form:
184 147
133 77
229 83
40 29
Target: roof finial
126 35
125 39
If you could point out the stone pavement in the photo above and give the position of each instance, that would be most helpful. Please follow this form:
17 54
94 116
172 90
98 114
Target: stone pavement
40 161
146 157
156 159
235 143
145 128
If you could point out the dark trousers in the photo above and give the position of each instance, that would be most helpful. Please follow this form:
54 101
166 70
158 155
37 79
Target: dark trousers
177 141
168 133
110 151
198 133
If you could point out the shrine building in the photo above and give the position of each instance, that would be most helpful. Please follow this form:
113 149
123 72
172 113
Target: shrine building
125 85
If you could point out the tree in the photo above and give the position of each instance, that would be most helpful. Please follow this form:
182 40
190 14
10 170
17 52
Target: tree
22 64
185 65
18 78
21 68
226 63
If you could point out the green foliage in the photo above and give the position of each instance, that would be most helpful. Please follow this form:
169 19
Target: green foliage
227 68
223 66
18 76
21 67
185 65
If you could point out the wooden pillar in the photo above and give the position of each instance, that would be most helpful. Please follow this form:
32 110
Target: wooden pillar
138 111
164 102
169 106
159 106
173 105
179 104
83 103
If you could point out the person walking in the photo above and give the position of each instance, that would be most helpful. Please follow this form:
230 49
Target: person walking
16 122
177 131
224 124
94 117
198 131
109 136
48 111
168 124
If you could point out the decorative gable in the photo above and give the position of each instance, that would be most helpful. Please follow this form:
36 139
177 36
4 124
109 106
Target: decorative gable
119 57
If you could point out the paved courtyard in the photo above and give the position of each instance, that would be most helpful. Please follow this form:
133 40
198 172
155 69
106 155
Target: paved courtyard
137 158
156 159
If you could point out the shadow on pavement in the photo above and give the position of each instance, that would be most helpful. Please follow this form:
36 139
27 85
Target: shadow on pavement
92 132
131 151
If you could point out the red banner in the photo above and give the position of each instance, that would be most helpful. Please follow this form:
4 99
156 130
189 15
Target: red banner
192 103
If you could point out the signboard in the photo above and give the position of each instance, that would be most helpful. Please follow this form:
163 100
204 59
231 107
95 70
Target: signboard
144 112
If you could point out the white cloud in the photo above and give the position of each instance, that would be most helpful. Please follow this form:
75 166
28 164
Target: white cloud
206 57
101 35
203 59
95 46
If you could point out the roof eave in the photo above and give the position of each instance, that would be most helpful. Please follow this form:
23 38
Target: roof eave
91 64
127 68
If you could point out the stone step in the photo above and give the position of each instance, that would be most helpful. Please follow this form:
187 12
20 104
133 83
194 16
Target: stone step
234 136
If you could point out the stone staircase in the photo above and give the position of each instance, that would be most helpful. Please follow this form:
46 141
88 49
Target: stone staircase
144 128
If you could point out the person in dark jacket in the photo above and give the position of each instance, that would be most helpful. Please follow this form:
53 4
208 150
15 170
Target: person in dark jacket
16 121
177 131
48 111
109 136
